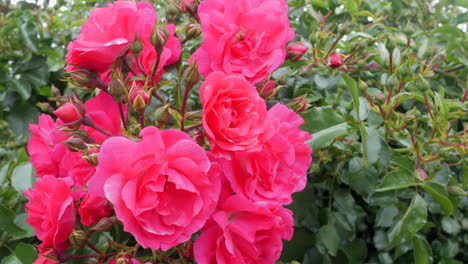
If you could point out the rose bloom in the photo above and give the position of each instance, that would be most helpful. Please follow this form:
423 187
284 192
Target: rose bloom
93 208
49 157
161 187
242 232
234 115
244 36
108 33
273 174
148 55
51 212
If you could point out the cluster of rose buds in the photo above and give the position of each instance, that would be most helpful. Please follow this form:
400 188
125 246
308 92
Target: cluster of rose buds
98 166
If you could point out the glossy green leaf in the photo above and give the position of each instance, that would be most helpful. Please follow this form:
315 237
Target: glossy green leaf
325 137
439 194
421 250
26 253
396 180
23 177
320 118
328 239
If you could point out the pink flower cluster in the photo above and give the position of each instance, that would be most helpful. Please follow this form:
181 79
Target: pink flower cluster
162 185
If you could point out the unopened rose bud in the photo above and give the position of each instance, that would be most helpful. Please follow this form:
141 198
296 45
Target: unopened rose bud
49 254
192 31
92 159
362 85
162 116
80 77
420 174
172 11
343 29
299 104
159 36
198 136
105 223
190 6
191 75
70 112
422 84
267 89
335 60
78 238
408 29
295 51
138 98
457 190
117 90
75 144
136 47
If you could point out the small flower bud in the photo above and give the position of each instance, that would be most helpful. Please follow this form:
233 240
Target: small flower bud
362 85
343 29
80 77
192 31
78 238
191 75
408 29
190 6
162 115
335 60
422 84
420 174
159 36
105 223
138 98
75 144
117 90
136 47
295 51
49 254
92 159
172 11
71 112
299 104
267 88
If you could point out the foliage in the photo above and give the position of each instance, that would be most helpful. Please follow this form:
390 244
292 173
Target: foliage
389 178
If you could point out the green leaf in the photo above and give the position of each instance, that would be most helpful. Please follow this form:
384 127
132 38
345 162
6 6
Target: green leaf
353 90
439 194
396 180
325 137
22 177
320 118
26 253
386 215
377 150
450 226
413 220
12 259
421 250
7 224
19 119
328 239
29 34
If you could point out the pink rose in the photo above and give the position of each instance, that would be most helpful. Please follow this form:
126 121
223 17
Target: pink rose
147 57
51 212
234 115
273 174
243 232
93 208
44 136
161 187
104 112
108 33
245 36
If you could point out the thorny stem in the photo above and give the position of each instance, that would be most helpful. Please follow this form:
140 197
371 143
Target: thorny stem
333 45
156 65
141 113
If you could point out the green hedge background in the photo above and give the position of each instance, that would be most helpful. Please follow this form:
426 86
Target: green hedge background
389 179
